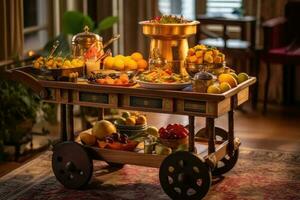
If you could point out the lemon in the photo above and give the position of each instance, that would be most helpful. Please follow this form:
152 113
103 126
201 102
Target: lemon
224 87
109 62
228 78
242 77
130 64
213 89
119 64
152 130
136 56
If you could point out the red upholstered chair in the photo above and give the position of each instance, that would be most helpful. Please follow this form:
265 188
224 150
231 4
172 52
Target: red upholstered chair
282 45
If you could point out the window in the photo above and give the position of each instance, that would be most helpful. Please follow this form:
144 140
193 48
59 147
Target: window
222 7
178 7
35 24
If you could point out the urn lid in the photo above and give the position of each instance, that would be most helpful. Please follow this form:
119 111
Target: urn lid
86 37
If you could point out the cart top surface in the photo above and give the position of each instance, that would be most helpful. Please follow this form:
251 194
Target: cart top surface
21 75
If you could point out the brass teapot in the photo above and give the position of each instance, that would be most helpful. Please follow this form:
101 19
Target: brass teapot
81 42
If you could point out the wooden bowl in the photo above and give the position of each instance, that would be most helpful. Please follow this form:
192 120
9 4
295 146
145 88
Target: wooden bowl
173 143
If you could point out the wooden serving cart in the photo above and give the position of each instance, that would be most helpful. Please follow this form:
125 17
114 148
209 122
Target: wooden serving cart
183 174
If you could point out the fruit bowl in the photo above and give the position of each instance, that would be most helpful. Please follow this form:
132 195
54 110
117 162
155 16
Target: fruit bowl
173 143
214 68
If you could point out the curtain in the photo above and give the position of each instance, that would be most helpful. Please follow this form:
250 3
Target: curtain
11 26
134 12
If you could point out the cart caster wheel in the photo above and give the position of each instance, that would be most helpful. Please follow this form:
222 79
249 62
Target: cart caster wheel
226 164
71 165
183 175
220 133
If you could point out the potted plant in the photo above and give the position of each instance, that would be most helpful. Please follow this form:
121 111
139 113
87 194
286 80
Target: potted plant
18 110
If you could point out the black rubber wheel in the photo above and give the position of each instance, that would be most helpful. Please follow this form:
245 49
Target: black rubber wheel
184 175
220 133
71 165
226 163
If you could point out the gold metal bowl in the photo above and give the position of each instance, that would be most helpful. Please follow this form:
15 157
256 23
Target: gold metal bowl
215 69
173 31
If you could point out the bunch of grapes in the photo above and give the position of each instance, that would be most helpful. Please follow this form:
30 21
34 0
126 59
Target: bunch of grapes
117 137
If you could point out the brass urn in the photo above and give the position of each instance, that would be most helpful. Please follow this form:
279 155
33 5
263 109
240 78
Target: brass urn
81 42
171 41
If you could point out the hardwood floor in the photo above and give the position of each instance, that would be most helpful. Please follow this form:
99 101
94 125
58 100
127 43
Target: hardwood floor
279 130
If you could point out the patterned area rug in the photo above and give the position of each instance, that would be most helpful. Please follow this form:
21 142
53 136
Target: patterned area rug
258 175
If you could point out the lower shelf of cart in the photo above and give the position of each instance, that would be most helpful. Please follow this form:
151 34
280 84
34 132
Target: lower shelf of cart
150 160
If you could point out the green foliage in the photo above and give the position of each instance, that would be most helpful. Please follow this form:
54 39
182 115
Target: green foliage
63 49
73 22
106 23
17 104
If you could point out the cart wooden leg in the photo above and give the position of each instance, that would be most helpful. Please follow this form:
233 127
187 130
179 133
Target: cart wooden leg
63 122
210 128
192 133
70 109
230 132
101 114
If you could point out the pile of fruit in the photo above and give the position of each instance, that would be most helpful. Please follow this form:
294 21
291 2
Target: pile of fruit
128 63
158 75
226 81
57 63
201 54
169 19
111 79
166 140
131 119
104 135
173 131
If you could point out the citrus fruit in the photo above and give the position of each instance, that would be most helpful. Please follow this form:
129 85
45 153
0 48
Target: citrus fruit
192 59
130 121
119 56
103 128
228 78
109 62
213 89
224 87
119 64
136 56
141 119
130 64
142 64
120 121
126 114
242 77
152 130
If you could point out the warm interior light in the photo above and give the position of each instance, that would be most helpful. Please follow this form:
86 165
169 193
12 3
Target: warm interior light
31 53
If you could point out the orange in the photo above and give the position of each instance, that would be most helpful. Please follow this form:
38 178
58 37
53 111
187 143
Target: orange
118 82
191 51
136 56
199 54
142 64
192 59
119 64
130 64
124 78
109 62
